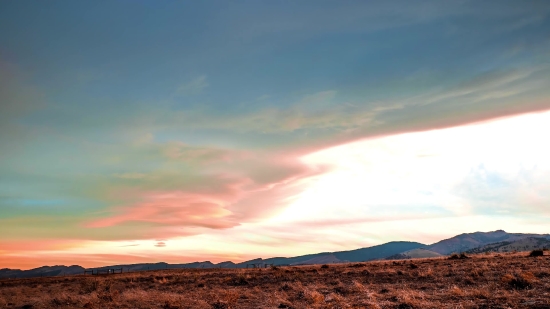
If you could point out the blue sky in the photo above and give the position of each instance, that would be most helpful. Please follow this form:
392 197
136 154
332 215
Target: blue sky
110 111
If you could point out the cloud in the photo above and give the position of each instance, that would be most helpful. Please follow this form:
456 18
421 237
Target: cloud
130 175
156 189
12 245
160 244
196 86
130 245
126 158
209 194
173 208
200 154
323 119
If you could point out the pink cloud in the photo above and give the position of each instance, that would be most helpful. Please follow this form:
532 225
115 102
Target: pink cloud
174 208
160 244
253 186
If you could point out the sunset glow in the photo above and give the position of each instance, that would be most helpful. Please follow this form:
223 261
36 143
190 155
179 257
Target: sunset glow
258 131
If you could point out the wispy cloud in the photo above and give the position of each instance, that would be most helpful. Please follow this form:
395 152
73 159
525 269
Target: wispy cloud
152 152
196 86
160 244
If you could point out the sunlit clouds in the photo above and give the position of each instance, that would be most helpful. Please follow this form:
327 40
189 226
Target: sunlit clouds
183 132
478 176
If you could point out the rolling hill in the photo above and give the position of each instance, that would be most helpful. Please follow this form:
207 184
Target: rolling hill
465 242
419 253
524 244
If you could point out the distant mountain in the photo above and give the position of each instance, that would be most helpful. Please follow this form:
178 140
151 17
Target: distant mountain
480 241
283 260
324 259
465 242
523 244
44 271
419 253
358 255
377 252
227 264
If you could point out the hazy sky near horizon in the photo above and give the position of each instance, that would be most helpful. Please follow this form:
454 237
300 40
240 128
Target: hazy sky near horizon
177 131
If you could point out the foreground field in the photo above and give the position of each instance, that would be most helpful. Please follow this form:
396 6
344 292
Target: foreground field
482 281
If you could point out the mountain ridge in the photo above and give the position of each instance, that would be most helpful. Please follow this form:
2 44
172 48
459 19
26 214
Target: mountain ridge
397 249
467 241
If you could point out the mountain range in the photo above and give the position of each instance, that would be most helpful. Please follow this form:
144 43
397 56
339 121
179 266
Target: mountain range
478 242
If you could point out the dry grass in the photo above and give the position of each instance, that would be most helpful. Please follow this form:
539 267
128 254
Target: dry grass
483 281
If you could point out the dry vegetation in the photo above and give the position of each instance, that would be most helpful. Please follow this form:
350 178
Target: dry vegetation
512 280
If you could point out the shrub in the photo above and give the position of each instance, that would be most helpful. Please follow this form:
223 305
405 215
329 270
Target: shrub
219 305
324 266
89 285
285 287
239 281
537 252
455 256
519 281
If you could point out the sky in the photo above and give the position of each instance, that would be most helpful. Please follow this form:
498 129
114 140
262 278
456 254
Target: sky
181 131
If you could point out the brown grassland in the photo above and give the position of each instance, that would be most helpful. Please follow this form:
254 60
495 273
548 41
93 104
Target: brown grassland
511 280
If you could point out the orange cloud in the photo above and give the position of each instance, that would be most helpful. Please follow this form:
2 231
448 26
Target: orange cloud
8 246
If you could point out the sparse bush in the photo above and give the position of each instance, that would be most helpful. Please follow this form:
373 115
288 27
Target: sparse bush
537 252
285 287
168 305
520 281
455 256
324 266
88 286
219 305
456 291
315 297
377 285
342 290
239 281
